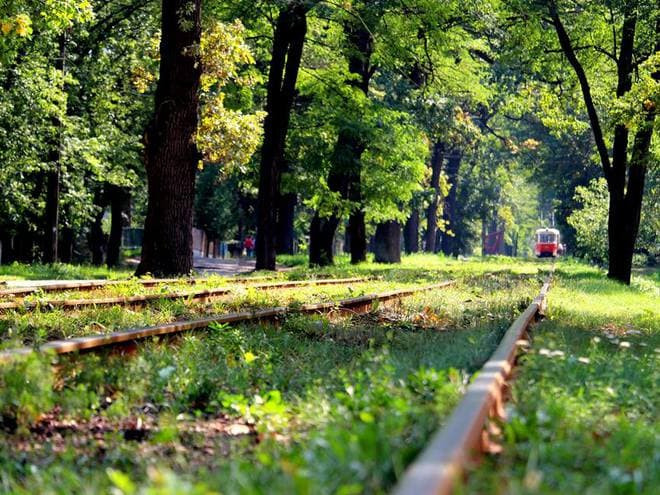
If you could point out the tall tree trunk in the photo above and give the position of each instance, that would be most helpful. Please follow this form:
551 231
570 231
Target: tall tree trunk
288 42
345 174
358 235
321 239
432 211
411 232
52 212
66 244
96 239
171 155
449 210
286 208
120 200
388 242
626 198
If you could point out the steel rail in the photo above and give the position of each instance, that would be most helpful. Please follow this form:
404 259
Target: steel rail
439 466
205 295
19 290
96 342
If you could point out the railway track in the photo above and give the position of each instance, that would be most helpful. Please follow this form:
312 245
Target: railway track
203 295
440 465
105 341
25 290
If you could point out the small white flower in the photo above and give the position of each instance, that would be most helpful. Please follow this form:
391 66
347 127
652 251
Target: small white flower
542 416
557 354
546 352
584 360
610 391
596 340
624 344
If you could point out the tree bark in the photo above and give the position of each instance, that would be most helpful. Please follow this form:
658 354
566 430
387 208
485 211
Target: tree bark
449 213
411 232
52 211
288 42
119 203
321 238
286 208
388 242
66 245
171 155
437 158
96 239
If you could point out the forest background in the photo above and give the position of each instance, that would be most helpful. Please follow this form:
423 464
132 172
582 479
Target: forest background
457 127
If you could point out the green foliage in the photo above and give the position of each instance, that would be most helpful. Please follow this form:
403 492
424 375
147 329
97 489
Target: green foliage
590 222
224 135
26 390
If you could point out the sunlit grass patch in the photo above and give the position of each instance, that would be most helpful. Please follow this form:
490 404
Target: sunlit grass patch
60 271
584 416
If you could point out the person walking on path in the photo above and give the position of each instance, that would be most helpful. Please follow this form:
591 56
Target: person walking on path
248 244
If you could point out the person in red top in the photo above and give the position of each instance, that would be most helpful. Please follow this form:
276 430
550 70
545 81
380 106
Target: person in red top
248 244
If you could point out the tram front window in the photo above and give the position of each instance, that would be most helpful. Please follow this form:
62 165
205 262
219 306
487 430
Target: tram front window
546 238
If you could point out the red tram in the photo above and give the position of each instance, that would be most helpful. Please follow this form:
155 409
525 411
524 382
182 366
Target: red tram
547 243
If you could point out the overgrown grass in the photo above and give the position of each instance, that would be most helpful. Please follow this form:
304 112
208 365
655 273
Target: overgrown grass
316 405
584 418
21 327
34 327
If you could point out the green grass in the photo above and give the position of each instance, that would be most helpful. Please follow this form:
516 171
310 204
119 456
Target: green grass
322 405
584 415
21 327
342 404
60 271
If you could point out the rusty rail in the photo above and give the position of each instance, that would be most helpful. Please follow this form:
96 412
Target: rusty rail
205 295
95 342
98 284
437 469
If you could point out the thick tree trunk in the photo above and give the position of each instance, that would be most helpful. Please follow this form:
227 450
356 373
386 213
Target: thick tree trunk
171 155
432 211
288 44
119 203
449 210
66 245
626 199
345 174
358 234
286 208
52 213
388 242
626 208
321 239
96 239
411 232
